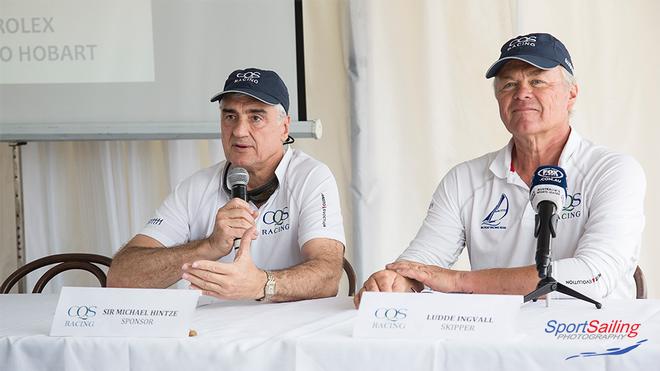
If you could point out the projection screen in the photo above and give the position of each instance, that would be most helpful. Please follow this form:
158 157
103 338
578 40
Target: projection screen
135 69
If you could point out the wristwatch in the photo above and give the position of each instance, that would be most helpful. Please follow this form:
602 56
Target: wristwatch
269 287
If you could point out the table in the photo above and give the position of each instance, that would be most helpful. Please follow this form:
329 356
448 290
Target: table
317 335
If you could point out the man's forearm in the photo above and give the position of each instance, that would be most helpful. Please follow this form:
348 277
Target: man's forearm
155 267
316 278
511 281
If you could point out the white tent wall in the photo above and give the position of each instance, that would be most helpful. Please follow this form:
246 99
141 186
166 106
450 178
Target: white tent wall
399 86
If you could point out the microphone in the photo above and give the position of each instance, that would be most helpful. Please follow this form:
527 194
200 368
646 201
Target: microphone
237 179
547 195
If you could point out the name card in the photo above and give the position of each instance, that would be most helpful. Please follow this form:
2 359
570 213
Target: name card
93 311
436 315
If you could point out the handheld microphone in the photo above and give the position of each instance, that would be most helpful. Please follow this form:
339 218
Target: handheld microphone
547 195
237 179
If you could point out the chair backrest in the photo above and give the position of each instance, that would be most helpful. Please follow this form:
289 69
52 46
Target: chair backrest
350 273
66 262
640 283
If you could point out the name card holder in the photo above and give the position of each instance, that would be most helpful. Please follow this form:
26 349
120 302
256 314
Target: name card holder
436 315
87 311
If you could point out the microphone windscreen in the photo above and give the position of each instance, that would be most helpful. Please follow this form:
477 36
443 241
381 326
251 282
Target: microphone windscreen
237 176
548 184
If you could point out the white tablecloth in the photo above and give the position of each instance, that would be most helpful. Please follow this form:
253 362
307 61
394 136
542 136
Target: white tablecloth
317 335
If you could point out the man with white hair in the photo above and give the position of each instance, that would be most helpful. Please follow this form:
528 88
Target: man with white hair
291 231
484 204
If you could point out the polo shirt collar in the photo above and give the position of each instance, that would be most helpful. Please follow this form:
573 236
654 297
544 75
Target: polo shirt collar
501 164
280 170
571 146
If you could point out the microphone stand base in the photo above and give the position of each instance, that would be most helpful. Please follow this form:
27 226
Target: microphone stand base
549 284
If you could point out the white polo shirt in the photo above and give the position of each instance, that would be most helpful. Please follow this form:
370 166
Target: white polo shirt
483 205
305 206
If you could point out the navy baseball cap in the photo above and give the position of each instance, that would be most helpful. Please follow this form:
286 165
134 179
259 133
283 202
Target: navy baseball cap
541 50
264 85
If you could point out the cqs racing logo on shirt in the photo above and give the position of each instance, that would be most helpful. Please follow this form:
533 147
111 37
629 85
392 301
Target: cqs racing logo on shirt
572 208
276 221
495 216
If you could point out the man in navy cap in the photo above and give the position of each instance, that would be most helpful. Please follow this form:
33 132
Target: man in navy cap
484 204
290 228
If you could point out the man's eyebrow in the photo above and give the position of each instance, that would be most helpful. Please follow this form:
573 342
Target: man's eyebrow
533 71
504 77
253 110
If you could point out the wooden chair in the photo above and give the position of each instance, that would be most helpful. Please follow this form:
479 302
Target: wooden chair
640 283
350 273
66 262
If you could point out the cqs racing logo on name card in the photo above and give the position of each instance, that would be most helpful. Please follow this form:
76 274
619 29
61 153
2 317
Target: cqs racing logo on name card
390 318
80 316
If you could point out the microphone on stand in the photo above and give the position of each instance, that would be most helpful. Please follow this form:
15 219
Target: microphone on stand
547 195
237 180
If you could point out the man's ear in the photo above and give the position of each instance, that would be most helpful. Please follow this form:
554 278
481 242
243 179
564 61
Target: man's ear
286 122
572 96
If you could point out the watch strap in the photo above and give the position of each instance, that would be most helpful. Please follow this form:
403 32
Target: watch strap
269 287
